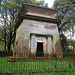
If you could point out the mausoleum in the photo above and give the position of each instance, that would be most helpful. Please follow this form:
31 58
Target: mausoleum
37 32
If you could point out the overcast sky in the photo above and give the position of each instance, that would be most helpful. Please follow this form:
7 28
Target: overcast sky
50 2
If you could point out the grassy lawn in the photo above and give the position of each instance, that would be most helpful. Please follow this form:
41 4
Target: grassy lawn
24 66
53 73
35 66
45 73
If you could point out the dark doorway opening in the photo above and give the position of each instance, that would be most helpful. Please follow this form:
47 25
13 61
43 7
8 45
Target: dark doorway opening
39 52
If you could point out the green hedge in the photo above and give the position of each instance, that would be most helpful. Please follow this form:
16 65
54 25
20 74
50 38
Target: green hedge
6 53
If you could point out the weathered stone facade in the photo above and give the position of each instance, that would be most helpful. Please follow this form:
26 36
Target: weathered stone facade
36 32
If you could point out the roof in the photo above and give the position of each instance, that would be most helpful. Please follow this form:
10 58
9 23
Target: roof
31 8
28 8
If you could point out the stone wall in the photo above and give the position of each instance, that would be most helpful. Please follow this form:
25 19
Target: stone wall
29 27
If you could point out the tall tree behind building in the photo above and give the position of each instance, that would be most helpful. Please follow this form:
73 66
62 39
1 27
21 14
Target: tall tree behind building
65 13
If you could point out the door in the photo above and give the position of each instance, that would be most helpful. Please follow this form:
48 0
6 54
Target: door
39 52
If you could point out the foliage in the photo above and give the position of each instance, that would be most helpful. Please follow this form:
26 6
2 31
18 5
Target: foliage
71 42
64 42
1 46
5 53
67 44
66 13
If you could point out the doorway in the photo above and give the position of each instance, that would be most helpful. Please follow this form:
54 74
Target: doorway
39 52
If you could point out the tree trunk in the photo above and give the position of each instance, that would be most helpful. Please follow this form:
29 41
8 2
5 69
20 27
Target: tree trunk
5 37
5 30
9 48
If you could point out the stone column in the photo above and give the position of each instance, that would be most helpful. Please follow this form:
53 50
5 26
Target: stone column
53 47
49 45
44 49
32 44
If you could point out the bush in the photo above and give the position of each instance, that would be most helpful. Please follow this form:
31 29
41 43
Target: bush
5 53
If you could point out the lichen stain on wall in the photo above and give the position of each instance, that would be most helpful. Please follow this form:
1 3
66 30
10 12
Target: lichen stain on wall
56 39
58 47
25 37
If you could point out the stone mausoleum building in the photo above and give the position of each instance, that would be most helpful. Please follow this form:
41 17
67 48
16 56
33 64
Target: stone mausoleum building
36 32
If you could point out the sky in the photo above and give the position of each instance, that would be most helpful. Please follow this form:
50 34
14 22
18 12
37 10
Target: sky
50 2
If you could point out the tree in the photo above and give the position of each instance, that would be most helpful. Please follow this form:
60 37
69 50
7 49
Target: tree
66 13
64 43
10 10
3 17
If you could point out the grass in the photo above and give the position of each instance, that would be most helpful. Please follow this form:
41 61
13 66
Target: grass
35 66
45 73
54 73
23 66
